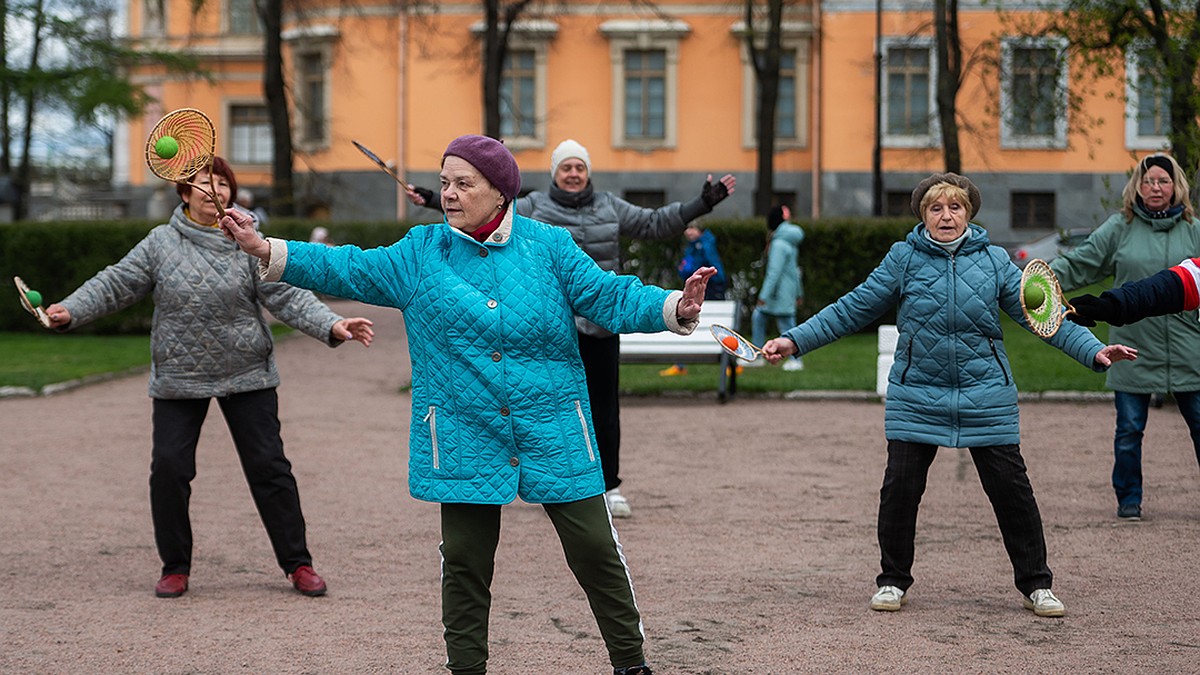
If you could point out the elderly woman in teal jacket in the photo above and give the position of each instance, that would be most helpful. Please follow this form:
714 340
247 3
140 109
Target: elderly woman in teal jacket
499 399
951 384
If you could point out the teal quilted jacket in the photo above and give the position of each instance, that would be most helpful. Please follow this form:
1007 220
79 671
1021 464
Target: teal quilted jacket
499 400
951 384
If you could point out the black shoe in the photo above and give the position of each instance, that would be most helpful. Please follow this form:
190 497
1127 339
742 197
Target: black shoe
1129 511
633 670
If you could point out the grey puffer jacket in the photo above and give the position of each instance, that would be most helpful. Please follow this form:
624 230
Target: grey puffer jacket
209 336
598 225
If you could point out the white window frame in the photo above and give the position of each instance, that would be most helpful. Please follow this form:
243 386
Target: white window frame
1133 139
227 25
1008 138
227 123
663 35
535 35
795 38
933 138
317 39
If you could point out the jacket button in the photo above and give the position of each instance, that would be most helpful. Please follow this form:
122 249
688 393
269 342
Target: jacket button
514 461
504 411
483 253
495 356
492 304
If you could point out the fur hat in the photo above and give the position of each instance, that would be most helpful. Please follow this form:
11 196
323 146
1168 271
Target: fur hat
491 158
566 150
952 179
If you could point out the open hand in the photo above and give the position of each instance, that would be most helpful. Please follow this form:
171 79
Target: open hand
693 293
354 328
1113 353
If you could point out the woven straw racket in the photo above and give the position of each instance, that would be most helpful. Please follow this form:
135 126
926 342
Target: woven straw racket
1046 318
193 132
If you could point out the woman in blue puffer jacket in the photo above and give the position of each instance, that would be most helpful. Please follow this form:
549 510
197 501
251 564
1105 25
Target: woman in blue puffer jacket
499 399
951 384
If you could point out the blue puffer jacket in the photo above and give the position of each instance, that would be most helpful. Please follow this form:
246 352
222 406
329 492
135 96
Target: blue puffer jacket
951 384
499 399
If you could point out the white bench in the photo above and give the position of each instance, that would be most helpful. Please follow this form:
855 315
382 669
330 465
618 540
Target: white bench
699 347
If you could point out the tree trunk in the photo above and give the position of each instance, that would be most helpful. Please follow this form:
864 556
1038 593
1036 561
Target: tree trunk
23 178
949 73
766 75
283 197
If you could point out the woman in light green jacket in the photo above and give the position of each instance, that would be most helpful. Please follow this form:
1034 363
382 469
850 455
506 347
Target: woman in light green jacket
1156 229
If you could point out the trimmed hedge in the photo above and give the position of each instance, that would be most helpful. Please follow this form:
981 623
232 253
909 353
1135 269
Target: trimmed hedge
55 258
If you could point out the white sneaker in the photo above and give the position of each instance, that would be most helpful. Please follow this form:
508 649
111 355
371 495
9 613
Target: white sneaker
1043 603
618 506
793 364
888 599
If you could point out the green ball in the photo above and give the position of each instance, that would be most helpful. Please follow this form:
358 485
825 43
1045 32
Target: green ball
1034 296
166 147
34 298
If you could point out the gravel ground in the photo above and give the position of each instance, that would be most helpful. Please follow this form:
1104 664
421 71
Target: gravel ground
752 544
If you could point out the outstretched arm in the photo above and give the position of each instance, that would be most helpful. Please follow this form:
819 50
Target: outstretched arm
1167 292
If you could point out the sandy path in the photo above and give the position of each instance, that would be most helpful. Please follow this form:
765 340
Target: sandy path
752 543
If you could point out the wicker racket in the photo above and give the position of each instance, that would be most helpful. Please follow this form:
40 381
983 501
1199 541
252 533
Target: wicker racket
734 343
180 145
1039 281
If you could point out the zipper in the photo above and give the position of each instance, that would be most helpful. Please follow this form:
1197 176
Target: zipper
587 438
908 364
431 418
996 355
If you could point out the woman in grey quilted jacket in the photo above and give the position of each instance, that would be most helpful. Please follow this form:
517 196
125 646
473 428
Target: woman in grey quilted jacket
951 384
209 339
597 221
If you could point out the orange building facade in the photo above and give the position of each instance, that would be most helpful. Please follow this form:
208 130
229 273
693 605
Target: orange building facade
660 93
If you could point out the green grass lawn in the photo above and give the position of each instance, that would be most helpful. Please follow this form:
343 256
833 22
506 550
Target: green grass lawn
37 359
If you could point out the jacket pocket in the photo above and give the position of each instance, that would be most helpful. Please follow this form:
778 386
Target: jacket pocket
907 361
587 437
431 420
999 362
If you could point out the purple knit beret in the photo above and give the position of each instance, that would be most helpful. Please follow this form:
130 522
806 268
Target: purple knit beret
491 158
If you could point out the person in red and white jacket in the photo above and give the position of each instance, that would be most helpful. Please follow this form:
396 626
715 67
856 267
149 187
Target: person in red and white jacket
1175 289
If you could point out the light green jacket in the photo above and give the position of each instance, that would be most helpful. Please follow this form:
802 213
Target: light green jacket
1167 345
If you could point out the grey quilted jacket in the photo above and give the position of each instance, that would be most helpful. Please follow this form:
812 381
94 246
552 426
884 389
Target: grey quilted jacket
209 336
597 227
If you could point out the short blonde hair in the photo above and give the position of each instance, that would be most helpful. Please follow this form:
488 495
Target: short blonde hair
950 191
1180 195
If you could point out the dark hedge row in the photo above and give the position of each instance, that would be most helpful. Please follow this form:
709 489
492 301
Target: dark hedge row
55 258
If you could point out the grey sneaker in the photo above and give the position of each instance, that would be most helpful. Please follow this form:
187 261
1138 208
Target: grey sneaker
1043 603
618 506
1129 511
888 599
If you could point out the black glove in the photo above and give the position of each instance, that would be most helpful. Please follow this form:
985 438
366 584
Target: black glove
427 195
1089 309
712 193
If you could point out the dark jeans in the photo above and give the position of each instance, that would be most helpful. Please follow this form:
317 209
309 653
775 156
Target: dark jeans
602 365
253 421
1006 483
1132 410
470 534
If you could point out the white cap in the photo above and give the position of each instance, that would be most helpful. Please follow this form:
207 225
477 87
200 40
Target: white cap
566 150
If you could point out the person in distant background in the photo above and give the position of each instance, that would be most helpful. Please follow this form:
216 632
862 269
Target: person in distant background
783 286
597 221
699 251
245 200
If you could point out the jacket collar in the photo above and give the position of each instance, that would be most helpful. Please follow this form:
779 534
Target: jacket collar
200 235
498 238
976 242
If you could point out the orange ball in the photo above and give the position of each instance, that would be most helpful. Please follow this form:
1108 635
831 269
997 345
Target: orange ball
730 342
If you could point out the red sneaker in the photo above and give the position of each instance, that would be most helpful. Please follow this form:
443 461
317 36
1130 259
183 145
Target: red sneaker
171 586
305 580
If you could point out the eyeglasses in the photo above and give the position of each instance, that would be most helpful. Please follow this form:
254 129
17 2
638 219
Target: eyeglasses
1162 182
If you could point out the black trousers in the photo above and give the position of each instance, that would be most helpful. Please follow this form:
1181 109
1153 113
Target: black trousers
253 421
1005 481
602 365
